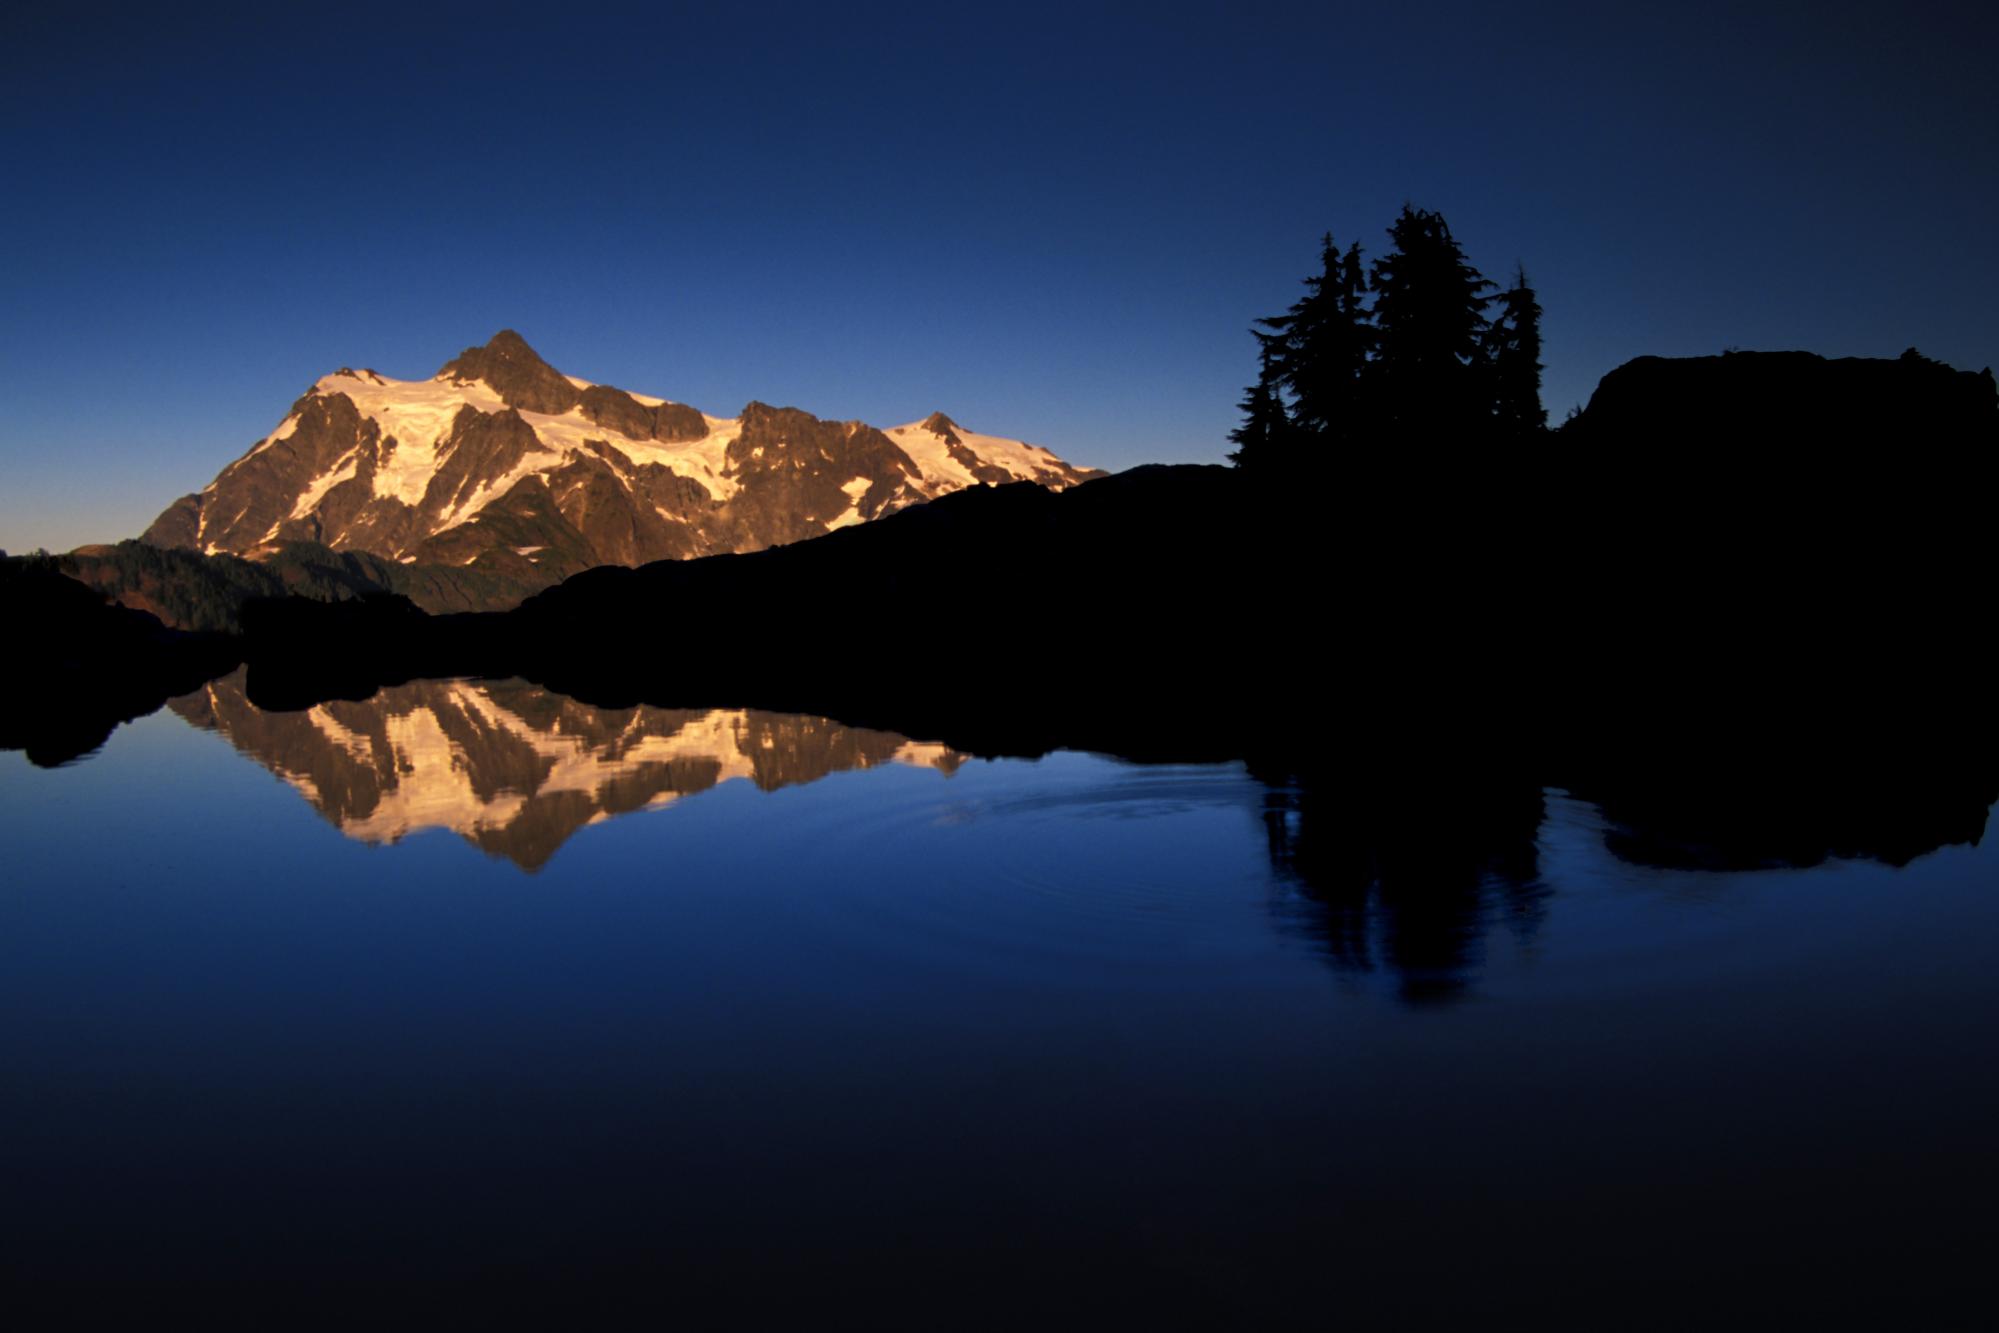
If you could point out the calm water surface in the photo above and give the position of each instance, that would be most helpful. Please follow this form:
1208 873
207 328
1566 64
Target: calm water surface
474 989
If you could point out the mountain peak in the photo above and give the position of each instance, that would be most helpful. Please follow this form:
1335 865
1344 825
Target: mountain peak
504 346
509 344
516 372
502 463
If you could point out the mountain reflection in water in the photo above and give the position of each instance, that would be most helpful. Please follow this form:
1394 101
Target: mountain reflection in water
1264 1037
1407 875
516 769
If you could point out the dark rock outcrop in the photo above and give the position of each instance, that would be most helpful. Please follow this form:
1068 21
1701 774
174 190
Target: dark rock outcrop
794 472
618 411
179 524
480 447
514 371
943 427
946 430
259 492
677 423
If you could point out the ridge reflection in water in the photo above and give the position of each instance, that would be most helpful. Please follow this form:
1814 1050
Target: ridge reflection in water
516 769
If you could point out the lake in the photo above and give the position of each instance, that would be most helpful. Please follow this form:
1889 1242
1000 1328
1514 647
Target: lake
473 997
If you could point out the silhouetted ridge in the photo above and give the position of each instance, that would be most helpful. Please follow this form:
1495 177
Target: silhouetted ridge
1782 399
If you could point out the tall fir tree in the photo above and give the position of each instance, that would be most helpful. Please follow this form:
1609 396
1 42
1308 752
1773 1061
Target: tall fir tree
1324 343
1316 353
1429 375
1265 437
1513 353
1421 364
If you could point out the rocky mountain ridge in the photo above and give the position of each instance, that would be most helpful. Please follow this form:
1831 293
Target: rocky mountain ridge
503 465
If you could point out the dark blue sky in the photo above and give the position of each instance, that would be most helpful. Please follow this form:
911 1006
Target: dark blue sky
1052 223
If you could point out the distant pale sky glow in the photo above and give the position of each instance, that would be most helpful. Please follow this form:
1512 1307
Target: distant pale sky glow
1051 223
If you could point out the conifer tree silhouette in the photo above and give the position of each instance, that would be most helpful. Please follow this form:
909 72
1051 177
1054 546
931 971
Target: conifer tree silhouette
1346 381
1266 432
1513 352
1429 372
1321 347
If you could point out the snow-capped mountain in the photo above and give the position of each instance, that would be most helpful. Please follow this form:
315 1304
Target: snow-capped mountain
503 464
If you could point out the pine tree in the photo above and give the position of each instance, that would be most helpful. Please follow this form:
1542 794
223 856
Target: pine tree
1429 374
1513 353
1316 353
1344 382
1265 437
1325 340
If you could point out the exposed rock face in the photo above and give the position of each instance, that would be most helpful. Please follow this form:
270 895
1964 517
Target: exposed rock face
179 524
942 427
508 366
618 411
515 769
801 477
325 438
946 430
677 423
504 466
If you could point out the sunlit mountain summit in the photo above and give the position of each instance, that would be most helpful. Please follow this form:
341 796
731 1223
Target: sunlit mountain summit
502 466
515 769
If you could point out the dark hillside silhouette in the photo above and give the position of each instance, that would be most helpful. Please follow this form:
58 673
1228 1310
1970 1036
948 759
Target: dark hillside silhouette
1782 407
191 591
76 666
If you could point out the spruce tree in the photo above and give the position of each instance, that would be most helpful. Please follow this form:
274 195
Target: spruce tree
1429 376
1513 353
1265 437
1316 353
1325 340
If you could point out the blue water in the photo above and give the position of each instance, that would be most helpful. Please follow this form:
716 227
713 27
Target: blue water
1052 1040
